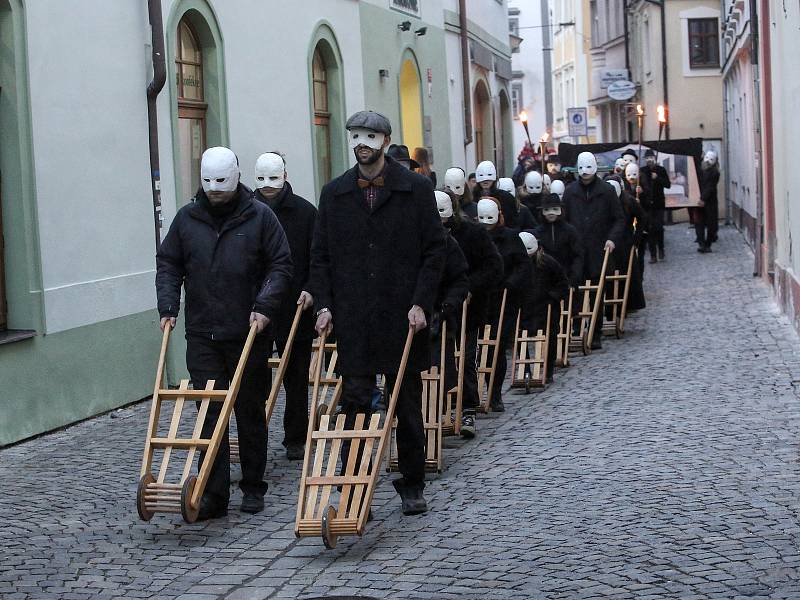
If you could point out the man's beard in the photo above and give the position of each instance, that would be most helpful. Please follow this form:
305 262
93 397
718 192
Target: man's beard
373 158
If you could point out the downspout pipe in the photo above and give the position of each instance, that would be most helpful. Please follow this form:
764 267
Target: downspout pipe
153 89
462 23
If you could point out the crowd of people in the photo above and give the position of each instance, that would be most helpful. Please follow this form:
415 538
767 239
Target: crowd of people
383 251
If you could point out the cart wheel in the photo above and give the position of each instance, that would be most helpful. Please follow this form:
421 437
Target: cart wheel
141 508
328 537
188 513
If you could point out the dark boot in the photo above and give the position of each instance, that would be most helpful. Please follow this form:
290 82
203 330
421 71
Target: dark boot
413 502
211 508
252 503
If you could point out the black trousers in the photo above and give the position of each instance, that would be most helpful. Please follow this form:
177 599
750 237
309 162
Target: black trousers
295 384
470 396
357 398
209 359
706 223
655 239
506 339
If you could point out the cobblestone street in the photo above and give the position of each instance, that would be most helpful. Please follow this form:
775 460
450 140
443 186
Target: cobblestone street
663 466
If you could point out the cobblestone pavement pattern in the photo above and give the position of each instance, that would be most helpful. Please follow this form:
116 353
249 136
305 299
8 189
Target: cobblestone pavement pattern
664 466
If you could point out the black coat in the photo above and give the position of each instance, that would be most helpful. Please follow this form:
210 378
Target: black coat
370 267
595 212
516 266
547 287
453 289
244 266
561 241
485 267
657 185
470 210
636 219
709 178
508 204
533 202
527 222
297 217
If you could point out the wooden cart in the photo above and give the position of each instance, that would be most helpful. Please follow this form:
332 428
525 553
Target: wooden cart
278 364
155 494
619 286
433 392
488 347
589 313
454 399
325 393
317 512
529 367
564 332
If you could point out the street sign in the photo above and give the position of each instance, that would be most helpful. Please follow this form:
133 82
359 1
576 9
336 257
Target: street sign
578 125
622 90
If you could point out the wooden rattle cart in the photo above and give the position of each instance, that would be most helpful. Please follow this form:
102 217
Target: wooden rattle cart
487 372
620 286
454 400
589 314
529 368
155 494
564 332
316 514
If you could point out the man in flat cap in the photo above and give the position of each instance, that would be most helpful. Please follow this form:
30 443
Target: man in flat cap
376 262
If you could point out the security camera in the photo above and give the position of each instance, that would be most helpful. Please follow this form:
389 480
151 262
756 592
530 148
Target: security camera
404 26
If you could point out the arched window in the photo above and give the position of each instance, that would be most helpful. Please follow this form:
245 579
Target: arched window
322 116
484 130
191 106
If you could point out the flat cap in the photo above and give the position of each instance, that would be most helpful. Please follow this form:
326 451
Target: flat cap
369 119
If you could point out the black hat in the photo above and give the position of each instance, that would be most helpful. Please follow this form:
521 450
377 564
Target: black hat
649 152
400 152
551 200
632 152
553 158
369 119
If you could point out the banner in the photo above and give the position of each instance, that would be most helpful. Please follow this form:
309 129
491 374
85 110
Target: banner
680 158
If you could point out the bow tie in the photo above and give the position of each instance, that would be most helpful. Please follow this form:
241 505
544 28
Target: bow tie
365 183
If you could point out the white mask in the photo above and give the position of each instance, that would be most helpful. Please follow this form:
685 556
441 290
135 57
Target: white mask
507 185
454 180
617 187
710 157
488 213
557 187
444 204
219 170
628 159
361 136
547 181
552 210
533 182
270 171
587 165
619 165
632 173
486 171
531 245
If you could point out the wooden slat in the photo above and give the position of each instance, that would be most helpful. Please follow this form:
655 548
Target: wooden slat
333 459
217 395
180 442
197 432
177 410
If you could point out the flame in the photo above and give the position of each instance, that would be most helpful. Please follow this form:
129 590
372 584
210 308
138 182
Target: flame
523 116
662 113
639 109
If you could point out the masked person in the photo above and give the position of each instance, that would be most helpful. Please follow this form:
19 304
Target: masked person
559 239
453 290
657 179
526 220
376 262
619 167
486 177
531 194
547 288
557 188
455 182
297 216
707 225
634 234
629 156
594 210
516 275
231 256
485 274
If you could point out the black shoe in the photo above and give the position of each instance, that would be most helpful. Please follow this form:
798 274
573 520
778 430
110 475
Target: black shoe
708 248
411 498
252 503
701 249
597 344
497 406
468 425
295 452
211 508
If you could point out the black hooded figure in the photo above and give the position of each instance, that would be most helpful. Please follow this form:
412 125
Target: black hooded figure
707 224
560 240
657 179
633 236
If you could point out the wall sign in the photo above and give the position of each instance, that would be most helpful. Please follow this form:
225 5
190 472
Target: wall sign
622 90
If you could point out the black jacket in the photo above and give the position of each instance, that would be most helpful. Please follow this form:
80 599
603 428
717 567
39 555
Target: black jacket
297 217
485 267
595 212
244 267
527 222
547 287
370 267
453 290
516 266
533 202
709 178
561 241
657 185
470 210
636 219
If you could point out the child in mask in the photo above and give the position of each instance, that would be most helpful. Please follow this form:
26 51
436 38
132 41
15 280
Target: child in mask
560 240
